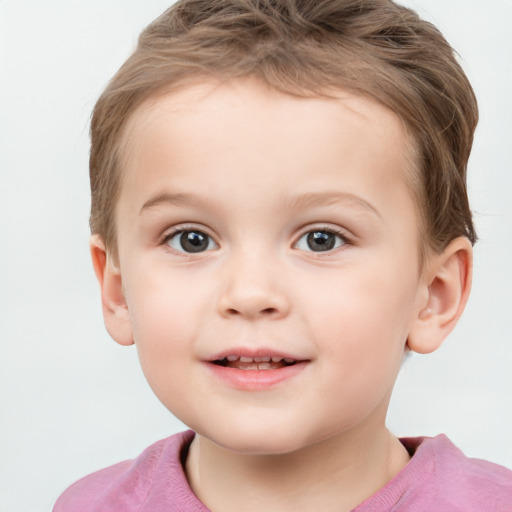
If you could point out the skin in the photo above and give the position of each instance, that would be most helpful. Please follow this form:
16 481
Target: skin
257 171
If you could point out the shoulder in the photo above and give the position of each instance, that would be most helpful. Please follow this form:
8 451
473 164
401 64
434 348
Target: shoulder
153 479
440 477
457 482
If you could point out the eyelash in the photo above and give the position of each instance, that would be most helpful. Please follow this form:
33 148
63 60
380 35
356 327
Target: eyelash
345 240
341 235
167 238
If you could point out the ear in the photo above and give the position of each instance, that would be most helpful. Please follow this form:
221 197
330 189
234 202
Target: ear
115 311
447 284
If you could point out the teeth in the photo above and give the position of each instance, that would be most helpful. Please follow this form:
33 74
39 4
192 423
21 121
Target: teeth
259 360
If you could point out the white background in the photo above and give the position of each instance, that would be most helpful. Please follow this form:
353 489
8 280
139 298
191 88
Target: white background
72 401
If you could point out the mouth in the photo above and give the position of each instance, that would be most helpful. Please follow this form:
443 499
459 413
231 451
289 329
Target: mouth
256 371
255 363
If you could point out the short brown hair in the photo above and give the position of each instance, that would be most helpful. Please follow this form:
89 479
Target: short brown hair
305 47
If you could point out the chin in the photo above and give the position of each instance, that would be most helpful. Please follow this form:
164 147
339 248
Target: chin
261 441
262 447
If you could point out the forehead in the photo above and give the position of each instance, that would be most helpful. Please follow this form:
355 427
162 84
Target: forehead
252 96
220 135
249 105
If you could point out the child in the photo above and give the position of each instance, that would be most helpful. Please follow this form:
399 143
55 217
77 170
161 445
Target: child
279 214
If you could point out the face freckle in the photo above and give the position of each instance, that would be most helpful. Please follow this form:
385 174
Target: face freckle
298 311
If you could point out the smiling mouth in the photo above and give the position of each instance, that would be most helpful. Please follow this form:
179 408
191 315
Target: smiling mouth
254 363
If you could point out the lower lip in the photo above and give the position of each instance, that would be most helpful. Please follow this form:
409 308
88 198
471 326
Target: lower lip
255 380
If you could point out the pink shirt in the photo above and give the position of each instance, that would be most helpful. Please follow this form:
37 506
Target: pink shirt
439 478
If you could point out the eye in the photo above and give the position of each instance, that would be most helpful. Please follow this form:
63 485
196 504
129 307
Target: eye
320 240
190 241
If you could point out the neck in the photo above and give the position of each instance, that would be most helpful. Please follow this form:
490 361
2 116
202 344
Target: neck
336 474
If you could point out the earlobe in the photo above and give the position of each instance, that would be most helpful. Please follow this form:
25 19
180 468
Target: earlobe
115 311
447 283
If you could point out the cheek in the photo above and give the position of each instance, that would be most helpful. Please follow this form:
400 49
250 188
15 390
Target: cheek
165 314
363 318
360 330
164 328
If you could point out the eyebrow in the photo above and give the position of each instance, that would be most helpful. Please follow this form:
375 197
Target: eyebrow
311 200
299 202
169 199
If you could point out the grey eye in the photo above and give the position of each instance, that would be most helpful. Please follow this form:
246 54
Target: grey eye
191 241
320 240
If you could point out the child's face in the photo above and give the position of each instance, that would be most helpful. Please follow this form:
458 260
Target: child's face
252 223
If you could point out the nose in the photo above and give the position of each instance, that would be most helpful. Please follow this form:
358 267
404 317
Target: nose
253 288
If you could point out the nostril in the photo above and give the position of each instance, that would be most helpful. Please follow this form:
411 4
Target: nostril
253 305
232 311
263 312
